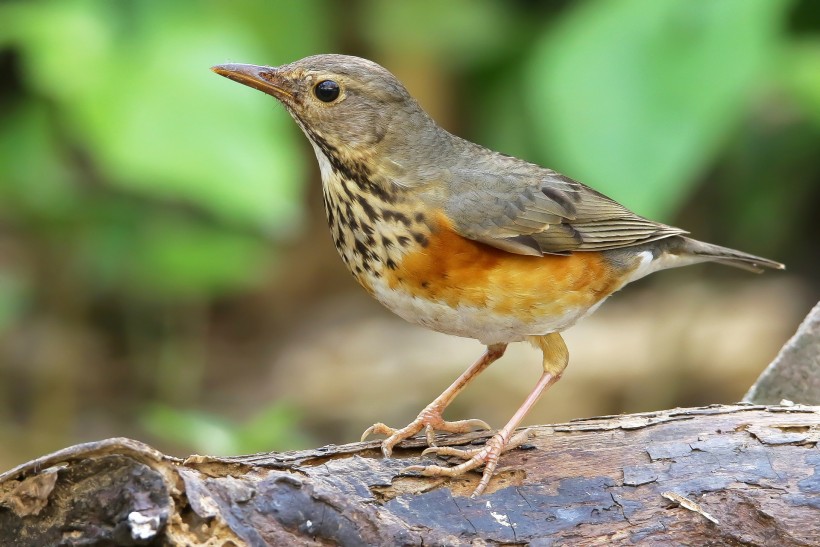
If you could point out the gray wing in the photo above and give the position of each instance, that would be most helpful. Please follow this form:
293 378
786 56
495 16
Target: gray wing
531 210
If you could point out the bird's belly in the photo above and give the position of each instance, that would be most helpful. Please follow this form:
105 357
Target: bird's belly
486 324
466 288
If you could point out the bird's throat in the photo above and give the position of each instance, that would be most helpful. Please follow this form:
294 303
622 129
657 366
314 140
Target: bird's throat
372 226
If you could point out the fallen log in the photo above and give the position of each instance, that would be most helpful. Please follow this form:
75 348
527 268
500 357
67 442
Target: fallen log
728 475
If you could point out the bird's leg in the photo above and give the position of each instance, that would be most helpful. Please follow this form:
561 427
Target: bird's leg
430 419
556 358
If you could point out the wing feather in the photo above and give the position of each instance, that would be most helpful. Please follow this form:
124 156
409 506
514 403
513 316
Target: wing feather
531 210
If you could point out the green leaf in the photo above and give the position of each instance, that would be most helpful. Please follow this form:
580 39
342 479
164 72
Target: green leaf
170 257
636 97
275 428
34 181
202 432
801 76
137 92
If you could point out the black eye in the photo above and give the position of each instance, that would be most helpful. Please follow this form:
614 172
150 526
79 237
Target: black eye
326 91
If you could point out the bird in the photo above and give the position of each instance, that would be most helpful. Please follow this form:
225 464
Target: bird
461 239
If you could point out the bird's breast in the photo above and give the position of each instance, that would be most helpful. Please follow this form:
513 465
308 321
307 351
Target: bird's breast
410 258
372 228
459 286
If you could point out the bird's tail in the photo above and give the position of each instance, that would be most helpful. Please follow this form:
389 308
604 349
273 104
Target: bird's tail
724 255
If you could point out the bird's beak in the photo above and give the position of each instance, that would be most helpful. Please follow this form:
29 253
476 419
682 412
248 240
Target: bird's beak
264 78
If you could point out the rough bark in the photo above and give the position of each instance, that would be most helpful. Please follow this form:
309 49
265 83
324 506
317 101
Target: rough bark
719 475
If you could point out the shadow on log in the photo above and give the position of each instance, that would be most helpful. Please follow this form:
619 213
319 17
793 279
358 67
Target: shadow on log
727 475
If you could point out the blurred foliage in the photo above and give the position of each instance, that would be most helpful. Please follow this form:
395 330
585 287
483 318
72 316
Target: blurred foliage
208 434
677 81
132 98
146 205
469 31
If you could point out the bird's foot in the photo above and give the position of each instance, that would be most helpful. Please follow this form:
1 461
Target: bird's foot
486 455
430 420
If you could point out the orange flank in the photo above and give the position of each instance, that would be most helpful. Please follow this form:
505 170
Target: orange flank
462 272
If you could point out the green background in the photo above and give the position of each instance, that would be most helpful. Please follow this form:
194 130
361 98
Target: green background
158 223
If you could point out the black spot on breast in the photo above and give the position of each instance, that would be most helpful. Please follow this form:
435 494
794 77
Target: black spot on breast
367 231
397 216
386 242
403 240
367 254
350 169
350 218
378 190
390 264
368 209
419 217
421 239
425 284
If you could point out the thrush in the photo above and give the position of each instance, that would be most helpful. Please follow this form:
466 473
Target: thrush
461 239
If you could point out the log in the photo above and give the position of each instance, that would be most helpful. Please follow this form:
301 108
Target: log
718 475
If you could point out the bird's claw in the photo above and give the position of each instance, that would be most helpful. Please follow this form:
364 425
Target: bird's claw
486 455
429 420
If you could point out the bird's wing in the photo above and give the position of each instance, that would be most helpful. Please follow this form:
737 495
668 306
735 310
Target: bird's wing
531 210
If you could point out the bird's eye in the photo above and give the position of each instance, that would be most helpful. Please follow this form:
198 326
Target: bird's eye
326 91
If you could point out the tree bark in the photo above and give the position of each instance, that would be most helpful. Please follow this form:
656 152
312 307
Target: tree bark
718 475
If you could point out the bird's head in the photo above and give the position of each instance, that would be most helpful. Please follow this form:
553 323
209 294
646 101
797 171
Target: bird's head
347 103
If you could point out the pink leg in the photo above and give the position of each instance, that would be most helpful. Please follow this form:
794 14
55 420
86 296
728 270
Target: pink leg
430 419
555 360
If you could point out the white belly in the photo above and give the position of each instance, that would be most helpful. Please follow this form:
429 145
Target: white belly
482 324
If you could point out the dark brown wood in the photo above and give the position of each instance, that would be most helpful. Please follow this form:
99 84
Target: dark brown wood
719 475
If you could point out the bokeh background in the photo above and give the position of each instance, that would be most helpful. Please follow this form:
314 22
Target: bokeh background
166 272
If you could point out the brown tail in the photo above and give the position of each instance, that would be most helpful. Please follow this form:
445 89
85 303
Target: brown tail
727 256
